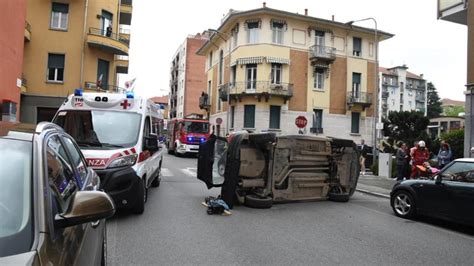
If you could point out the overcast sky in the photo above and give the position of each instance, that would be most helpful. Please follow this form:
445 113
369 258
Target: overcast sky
435 48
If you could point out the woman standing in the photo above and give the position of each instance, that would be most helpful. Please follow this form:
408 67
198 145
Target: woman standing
444 155
401 160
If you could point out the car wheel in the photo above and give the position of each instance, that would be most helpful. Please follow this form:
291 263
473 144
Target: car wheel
403 204
339 197
157 180
142 198
103 261
253 201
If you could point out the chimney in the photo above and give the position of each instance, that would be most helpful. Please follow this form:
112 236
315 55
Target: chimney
421 75
264 4
305 11
332 17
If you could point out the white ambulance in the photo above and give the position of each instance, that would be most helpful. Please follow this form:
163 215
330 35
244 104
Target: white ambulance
118 135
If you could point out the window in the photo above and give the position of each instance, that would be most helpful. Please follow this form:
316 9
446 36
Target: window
77 160
233 75
59 16
209 87
106 23
276 73
103 74
356 85
234 39
249 116
253 28
319 78
221 66
275 112
232 116
210 59
459 172
8 111
318 120
357 46
355 123
56 67
277 29
251 78
319 40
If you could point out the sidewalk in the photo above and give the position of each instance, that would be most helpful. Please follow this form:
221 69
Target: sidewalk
375 185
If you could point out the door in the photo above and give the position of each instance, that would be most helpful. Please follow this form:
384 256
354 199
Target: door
433 199
103 74
106 23
212 160
319 41
251 77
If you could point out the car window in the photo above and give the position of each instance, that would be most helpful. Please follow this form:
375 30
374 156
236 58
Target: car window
460 172
77 160
60 175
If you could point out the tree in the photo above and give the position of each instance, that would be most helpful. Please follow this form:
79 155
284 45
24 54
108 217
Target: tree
434 104
453 110
406 126
455 139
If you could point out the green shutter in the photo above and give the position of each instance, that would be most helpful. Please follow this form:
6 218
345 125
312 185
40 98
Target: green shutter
355 123
275 116
63 8
249 116
55 61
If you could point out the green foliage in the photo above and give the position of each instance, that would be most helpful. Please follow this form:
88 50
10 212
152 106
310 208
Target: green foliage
455 139
407 127
434 103
453 110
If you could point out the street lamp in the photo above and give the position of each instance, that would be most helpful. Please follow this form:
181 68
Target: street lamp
219 33
377 91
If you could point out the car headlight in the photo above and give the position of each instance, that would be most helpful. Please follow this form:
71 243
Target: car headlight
128 160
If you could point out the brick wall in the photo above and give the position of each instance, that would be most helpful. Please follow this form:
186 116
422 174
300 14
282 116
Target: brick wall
195 82
338 104
371 88
299 78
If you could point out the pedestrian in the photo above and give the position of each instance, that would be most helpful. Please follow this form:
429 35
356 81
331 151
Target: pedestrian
109 30
444 155
363 155
419 157
401 157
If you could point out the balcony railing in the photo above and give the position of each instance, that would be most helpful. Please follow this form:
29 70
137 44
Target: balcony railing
256 88
321 52
109 34
359 98
104 87
420 98
204 102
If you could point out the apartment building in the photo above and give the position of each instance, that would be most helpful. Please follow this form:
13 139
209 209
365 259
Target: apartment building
265 67
73 44
163 102
14 30
187 77
402 90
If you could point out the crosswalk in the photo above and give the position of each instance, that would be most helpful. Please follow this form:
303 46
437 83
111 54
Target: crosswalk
189 171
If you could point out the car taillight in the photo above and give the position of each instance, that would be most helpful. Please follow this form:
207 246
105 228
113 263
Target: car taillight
143 156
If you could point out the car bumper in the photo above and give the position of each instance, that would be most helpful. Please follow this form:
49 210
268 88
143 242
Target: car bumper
121 184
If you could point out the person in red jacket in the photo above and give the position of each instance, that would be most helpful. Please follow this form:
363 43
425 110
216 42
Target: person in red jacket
420 155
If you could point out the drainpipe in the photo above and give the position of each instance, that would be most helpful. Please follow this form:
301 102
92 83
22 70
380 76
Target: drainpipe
83 44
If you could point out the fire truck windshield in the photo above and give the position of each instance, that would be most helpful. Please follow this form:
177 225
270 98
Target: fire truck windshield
101 129
196 127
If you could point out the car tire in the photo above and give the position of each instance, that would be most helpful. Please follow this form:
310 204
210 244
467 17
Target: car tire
139 207
262 138
156 182
403 204
339 197
256 202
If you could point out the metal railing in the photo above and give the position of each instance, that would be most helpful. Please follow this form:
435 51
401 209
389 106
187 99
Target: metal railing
104 87
257 87
420 98
27 26
122 57
204 102
24 81
126 2
124 30
110 35
320 51
359 97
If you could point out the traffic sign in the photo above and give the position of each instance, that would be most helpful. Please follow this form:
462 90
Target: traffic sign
218 120
301 121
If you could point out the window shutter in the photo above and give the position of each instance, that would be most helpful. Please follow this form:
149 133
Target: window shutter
55 61
249 116
63 8
355 122
357 44
275 112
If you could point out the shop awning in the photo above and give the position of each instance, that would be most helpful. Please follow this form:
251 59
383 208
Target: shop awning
278 60
250 60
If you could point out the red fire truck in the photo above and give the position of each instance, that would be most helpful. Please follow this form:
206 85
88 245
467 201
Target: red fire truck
185 134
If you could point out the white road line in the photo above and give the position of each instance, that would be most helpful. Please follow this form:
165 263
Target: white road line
166 172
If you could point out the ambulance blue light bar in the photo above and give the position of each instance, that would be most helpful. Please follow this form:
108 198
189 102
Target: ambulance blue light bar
130 95
78 92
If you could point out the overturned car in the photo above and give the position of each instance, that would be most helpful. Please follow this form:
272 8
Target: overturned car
260 169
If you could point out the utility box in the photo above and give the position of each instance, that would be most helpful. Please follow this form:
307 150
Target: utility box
385 165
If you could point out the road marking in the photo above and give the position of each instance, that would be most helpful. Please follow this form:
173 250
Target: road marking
166 172
190 171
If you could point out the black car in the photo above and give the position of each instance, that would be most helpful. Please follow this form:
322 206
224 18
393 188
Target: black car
447 195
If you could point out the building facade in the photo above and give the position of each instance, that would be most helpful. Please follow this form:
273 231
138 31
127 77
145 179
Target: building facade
444 124
265 67
163 102
73 44
14 31
402 91
187 78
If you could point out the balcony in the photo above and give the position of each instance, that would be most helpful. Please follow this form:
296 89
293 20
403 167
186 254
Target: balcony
121 64
126 12
24 84
204 102
420 98
453 11
124 34
319 53
385 94
359 99
107 41
27 31
259 89
92 86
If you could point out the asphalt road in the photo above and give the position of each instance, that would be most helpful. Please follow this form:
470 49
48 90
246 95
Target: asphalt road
175 229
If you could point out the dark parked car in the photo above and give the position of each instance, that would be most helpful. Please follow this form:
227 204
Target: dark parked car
50 210
447 195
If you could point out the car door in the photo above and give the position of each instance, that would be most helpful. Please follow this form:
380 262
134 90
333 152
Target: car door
461 187
432 198
64 246
94 233
212 160
149 166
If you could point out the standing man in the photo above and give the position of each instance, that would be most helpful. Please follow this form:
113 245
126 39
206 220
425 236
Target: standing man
363 155
419 157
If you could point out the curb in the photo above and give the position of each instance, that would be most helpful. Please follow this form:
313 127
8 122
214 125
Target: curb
380 195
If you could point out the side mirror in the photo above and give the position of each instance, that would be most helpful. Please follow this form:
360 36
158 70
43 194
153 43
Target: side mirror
151 144
437 179
86 206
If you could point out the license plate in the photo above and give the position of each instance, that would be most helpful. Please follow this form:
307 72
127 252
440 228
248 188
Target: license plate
194 147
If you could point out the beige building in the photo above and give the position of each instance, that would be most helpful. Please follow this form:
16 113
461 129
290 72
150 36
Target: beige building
265 67
73 44
444 124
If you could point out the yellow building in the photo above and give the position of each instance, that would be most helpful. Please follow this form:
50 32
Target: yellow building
72 44
271 66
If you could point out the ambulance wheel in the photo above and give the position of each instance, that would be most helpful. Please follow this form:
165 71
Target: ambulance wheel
139 207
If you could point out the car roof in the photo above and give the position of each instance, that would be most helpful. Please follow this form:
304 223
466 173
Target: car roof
19 131
468 160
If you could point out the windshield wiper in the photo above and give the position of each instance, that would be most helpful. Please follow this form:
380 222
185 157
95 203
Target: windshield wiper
89 144
111 145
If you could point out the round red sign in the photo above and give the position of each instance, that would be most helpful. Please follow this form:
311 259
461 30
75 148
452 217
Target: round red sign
218 120
301 121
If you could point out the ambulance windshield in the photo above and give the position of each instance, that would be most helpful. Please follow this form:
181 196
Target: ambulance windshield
196 127
101 129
